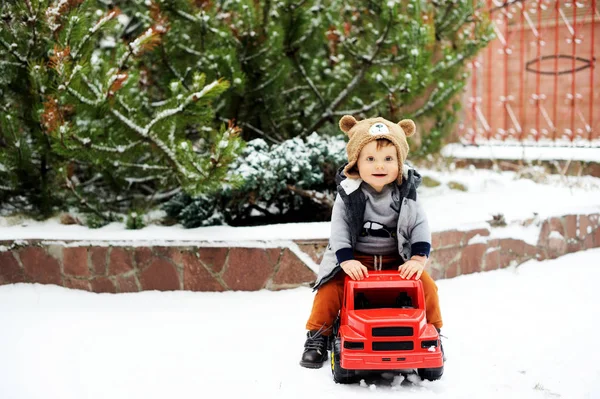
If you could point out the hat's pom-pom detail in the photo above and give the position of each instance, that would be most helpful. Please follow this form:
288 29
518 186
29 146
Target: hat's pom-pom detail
346 123
408 126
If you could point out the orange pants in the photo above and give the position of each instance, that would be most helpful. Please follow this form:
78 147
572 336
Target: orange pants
328 299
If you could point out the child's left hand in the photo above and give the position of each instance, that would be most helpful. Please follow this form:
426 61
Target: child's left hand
413 267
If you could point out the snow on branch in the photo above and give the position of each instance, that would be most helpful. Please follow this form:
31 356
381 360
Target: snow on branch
97 26
11 49
144 166
83 98
118 149
145 131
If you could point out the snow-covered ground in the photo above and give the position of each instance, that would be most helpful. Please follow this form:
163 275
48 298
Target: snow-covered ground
488 193
585 151
523 332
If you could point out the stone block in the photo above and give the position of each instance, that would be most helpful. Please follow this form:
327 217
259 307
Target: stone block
452 271
293 271
75 261
248 269
160 275
120 261
314 249
471 260
213 258
571 223
491 258
196 277
143 256
40 267
585 226
171 253
517 247
77 284
98 258
445 257
127 283
103 285
452 238
10 271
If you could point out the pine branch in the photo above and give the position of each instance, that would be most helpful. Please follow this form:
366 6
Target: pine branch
86 142
352 85
22 60
185 15
265 17
390 61
434 100
84 202
257 54
293 89
32 18
97 26
268 82
166 194
254 129
189 50
193 19
366 108
307 79
294 7
145 166
83 98
172 68
145 131
97 92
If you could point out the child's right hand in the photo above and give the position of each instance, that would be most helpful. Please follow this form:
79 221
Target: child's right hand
355 269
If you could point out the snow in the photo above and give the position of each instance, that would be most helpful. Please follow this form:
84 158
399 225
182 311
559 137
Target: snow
489 193
504 339
525 153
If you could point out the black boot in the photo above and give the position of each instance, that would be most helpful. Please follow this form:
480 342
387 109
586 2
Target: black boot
315 350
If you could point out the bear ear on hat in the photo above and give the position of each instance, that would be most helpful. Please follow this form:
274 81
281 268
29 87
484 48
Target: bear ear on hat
408 126
347 122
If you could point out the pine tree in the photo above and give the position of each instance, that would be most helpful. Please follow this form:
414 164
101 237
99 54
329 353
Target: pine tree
297 66
85 120
114 105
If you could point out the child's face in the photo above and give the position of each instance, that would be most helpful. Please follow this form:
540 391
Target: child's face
378 167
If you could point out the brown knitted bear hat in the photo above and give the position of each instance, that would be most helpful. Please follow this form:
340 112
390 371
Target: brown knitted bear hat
363 132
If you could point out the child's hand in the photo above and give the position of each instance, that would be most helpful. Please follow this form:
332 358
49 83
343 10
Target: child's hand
355 269
413 267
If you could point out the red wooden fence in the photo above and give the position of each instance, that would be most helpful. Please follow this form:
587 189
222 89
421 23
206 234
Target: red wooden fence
538 82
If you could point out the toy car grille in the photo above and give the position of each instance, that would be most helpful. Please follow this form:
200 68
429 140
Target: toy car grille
393 346
392 332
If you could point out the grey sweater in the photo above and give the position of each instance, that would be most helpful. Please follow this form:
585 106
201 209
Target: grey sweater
380 219
348 222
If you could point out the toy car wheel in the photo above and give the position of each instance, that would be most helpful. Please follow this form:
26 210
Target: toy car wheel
431 374
340 375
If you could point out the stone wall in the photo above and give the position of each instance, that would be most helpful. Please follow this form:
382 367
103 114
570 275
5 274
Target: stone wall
122 267
463 252
201 266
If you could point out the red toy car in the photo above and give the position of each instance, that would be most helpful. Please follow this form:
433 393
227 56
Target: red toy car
382 326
